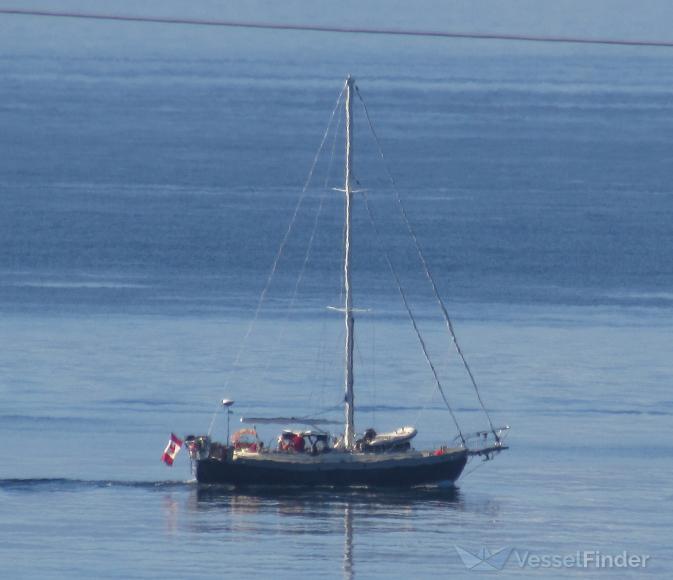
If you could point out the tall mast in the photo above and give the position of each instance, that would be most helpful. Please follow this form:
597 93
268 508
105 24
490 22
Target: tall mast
349 433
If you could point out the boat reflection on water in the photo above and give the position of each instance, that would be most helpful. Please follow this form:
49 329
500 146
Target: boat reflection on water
317 512
348 542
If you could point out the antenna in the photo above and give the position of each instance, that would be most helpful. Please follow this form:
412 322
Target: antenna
227 403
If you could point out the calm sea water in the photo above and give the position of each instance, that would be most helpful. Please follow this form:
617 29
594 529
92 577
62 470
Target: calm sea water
143 201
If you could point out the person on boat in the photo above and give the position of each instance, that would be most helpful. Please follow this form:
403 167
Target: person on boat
298 443
285 441
291 442
367 438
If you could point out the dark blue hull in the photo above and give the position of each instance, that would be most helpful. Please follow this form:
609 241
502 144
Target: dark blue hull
387 473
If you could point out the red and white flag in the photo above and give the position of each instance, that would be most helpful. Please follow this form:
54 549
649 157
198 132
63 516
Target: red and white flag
172 449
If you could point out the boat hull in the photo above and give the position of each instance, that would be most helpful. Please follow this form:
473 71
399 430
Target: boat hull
398 470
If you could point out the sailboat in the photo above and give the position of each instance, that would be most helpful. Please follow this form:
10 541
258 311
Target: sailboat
317 457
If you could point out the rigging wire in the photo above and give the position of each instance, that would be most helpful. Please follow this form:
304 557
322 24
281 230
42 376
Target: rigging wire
338 29
318 371
403 294
423 406
470 471
374 385
309 246
326 410
274 265
334 140
428 274
307 256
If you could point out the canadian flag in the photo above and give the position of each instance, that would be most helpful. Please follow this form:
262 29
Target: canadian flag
172 449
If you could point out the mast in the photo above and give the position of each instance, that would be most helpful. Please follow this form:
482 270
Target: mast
349 432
